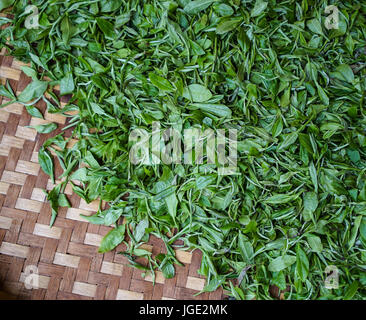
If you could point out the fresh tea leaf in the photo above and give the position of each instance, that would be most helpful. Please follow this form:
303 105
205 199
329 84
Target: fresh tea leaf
197 93
112 239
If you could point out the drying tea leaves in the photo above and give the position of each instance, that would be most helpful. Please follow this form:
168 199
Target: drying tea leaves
293 88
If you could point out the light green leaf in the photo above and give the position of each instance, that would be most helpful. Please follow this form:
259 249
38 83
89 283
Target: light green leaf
140 229
46 162
302 263
168 270
219 110
197 93
45 128
34 90
259 8
315 243
106 27
315 26
112 215
112 239
80 174
314 176
63 201
288 140
351 290
194 7
280 198
281 263
228 24
172 205
323 95
98 109
160 82
204 181
94 219
310 205
65 29
5 4
34 112
246 249
345 73
67 84
354 231
30 72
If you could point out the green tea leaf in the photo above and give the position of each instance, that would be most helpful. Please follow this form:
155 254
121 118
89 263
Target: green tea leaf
67 84
106 27
112 215
259 8
80 174
288 140
310 205
98 109
351 290
5 4
344 72
133 76
315 26
219 110
227 25
34 112
65 29
196 6
94 219
63 201
168 270
112 239
30 72
204 181
302 263
45 128
140 229
281 263
280 198
314 176
46 162
34 90
160 82
315 243
246 249
197 93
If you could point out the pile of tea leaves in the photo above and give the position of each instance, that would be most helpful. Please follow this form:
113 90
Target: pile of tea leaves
292 87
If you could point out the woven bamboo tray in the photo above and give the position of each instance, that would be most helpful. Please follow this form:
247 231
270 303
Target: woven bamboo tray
69 266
